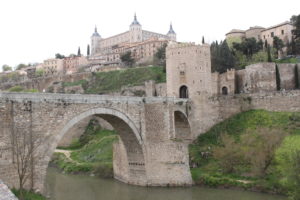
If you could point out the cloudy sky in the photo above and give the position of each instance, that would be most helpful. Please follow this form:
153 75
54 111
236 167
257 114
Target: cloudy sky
34 30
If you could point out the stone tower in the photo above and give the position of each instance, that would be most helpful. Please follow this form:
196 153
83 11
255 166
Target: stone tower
95 41
171 34
188 70
135 31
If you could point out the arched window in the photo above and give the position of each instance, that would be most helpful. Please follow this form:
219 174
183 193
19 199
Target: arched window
224 90
183 92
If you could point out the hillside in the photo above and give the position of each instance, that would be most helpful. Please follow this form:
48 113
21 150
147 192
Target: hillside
256 149
106 82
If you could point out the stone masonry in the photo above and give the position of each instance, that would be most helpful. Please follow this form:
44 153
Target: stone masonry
147 153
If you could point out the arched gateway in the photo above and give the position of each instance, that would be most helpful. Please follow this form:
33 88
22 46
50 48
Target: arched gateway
146 153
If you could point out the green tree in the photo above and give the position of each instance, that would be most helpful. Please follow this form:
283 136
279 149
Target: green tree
6 68
248 46
21 66
127 59
278 45
160 56
203 41
227 60
59 56
295 20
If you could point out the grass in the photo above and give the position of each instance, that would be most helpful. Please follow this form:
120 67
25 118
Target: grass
287 60
103 82
91 153
28 195
206 167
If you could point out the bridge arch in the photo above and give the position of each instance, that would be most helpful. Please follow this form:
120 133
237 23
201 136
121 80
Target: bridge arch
128 161
182 126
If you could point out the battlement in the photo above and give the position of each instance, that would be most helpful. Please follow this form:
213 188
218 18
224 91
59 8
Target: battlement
184 45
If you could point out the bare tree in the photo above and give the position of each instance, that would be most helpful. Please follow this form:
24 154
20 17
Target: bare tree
24 150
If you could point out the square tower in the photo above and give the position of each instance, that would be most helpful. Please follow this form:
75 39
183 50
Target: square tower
188 70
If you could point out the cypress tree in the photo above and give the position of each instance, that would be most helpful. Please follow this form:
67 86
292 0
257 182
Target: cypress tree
78 53
297 84
88 50
266 44
203 41
277 78
269 53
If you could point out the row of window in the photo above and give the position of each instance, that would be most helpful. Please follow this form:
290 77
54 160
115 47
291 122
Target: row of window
272 34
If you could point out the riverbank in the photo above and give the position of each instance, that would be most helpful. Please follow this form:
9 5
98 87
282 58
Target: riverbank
253 150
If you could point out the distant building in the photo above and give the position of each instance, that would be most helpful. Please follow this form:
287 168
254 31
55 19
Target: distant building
283 31
53 66
73 63
143 44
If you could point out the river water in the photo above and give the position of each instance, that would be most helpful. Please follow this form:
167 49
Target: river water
78 187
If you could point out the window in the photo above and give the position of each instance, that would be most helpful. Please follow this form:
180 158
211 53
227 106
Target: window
272 34
264 37
183 92
282 32
224 90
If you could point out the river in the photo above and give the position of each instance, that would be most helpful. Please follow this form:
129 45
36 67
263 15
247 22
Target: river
79 187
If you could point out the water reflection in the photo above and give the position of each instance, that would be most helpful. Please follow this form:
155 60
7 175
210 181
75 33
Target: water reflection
77 187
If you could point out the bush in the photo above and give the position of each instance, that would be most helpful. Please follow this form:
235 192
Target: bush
28 195
288 165
16 89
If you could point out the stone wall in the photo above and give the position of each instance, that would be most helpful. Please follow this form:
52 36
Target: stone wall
287 76
255 78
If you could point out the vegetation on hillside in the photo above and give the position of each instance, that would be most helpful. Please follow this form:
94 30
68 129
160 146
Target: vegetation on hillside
254 150
105 82
18 88
91 153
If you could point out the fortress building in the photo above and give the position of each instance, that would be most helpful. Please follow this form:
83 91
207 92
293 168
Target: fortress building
142 44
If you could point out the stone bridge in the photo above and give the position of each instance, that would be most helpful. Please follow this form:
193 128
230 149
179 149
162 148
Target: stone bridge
154 134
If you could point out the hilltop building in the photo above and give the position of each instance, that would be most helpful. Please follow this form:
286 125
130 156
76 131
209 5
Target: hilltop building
282 31
142 44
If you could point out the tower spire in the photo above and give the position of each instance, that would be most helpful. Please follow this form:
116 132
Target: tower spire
171 31
135 21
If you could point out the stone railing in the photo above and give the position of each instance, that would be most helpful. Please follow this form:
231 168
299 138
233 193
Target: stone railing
87 99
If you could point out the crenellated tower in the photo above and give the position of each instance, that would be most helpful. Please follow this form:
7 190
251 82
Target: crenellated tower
188 70
135 31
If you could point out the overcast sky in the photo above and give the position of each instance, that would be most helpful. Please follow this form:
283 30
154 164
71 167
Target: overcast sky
34 30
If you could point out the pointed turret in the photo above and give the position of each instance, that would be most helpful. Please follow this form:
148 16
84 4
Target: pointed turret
171 33
135 30
96 34
135 21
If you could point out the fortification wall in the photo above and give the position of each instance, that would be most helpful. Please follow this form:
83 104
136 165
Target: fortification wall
208 111
287 76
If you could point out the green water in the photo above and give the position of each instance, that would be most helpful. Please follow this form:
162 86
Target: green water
77 187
